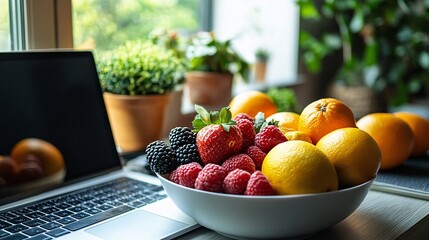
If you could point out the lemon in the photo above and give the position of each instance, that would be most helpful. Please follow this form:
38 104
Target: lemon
354 153
299 167
297 135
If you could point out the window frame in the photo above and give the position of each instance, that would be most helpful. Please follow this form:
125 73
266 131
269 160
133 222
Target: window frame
46 24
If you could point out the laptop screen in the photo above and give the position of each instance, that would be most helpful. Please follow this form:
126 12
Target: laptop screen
53 123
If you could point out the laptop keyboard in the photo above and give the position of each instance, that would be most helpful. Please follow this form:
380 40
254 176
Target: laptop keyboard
58 216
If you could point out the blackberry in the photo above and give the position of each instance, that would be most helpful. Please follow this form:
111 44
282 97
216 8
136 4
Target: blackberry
160 157
180 136
187 153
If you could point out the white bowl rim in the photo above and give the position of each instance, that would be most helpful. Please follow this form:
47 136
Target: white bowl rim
307 195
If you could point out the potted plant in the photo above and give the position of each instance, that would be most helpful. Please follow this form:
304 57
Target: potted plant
384 49
212 67
137 79
260 66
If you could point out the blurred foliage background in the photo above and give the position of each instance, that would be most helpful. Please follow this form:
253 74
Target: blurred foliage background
103 25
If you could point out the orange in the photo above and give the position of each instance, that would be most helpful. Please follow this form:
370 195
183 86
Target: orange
297 135
324 116
394 137
420 128
50 156
288 121
354 154
299 167
252 102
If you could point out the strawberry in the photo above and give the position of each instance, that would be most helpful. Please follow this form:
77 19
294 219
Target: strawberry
211 178
269 137
258 185
218 137
247 131
257 155
236 182
239 161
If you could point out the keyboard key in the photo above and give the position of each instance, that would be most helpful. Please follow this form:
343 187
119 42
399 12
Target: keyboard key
63 205
34 231
49 218
104 207
50 210
33 223
18 236
77 209
93 211
80 215
66 220
57 232
40 237
97 218
36 214
3 233
4 224
16 228
8 216
19 219
50 226
63 213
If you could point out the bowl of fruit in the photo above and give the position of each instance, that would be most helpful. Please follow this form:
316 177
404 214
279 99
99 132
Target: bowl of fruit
247 177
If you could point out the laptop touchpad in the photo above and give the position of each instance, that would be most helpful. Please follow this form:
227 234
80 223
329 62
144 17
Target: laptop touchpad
137 225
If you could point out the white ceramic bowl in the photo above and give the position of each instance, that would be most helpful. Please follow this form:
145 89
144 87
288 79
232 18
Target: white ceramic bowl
262 217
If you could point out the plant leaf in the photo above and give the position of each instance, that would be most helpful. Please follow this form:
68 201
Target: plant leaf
204 114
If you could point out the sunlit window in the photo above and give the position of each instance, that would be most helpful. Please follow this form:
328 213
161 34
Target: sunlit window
4 25
102 25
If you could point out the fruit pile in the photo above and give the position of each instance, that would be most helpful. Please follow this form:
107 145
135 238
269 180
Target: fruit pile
29 159
248 148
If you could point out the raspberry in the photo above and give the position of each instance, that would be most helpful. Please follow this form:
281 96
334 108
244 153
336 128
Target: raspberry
188 173
243 116
240 161
211 178
247 131
180 136
174 176
257 155
187 153
160 157
269 137
258 185
236 182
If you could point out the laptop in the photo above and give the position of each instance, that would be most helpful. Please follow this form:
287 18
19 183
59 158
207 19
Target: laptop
55 97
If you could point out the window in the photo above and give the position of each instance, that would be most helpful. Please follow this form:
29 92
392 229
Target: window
4 25
103 24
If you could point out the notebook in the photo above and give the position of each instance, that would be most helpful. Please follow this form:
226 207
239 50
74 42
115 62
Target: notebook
53 98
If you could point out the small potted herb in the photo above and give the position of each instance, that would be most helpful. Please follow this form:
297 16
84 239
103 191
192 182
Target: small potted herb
260 66
137 80
212 66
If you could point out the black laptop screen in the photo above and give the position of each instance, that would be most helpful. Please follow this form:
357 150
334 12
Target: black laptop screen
51 101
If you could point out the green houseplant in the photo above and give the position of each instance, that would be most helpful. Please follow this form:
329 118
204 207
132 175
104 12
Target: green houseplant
212 67
137 80
383 45
261 61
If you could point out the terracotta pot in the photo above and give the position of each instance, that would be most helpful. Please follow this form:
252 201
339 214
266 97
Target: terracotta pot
260 69
136 121
207 88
